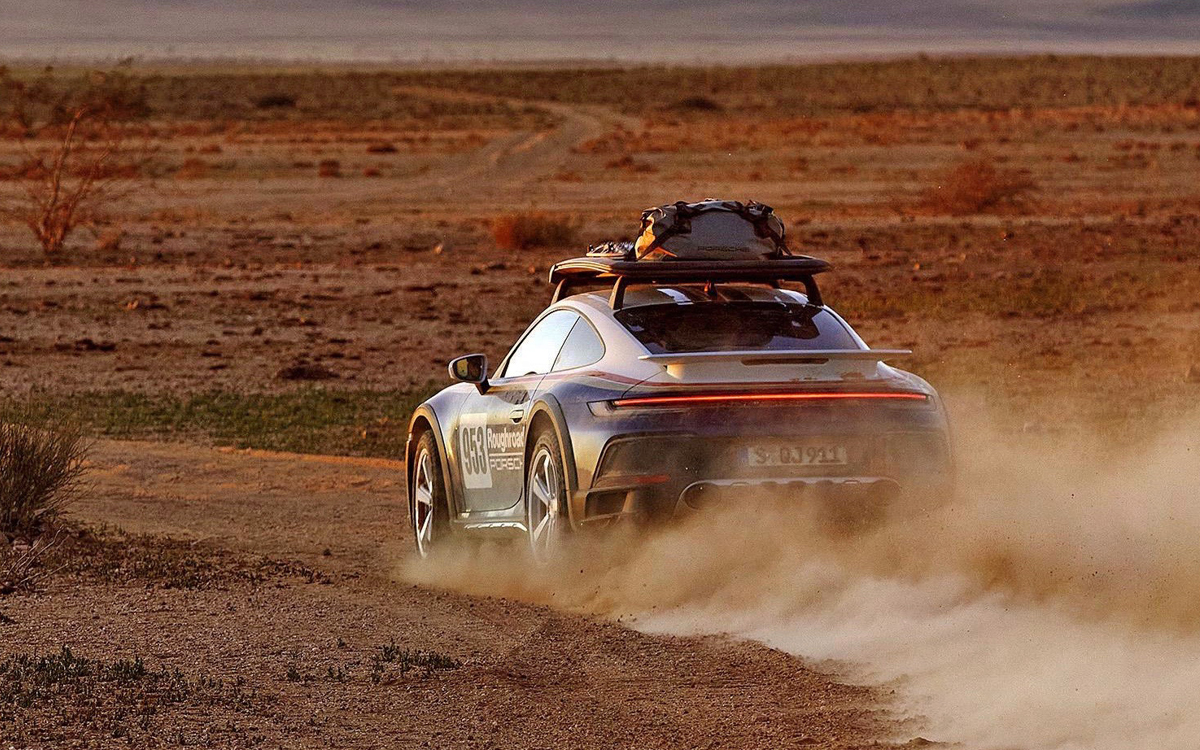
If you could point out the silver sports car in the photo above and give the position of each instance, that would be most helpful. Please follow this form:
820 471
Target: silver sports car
648 390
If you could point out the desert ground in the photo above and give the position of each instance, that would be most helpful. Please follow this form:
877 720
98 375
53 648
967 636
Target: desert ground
245 336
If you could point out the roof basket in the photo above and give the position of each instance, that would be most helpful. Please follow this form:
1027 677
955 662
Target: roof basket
615 250
602 268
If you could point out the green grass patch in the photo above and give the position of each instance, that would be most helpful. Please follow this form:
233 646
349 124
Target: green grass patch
310 420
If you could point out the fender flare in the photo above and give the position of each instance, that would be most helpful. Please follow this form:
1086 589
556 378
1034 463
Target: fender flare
426 411
549 406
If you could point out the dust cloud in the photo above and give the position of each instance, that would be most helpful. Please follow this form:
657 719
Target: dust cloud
1055 603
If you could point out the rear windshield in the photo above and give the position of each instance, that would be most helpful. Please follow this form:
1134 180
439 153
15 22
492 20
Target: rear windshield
735 326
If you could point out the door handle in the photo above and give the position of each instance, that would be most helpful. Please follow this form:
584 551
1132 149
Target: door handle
516 415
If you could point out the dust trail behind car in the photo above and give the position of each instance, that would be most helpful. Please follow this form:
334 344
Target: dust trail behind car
1056 604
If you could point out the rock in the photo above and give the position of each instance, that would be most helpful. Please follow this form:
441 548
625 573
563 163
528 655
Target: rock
1193 374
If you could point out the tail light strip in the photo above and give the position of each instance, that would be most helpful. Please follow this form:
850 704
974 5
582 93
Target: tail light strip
712 398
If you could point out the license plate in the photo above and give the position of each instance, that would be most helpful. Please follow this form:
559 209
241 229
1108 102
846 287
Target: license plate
807 454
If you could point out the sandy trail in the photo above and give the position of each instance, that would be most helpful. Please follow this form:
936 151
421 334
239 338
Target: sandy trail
532 676
522 158
1054 606
490 175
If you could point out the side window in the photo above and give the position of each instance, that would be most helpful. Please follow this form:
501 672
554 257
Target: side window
582 347
536 353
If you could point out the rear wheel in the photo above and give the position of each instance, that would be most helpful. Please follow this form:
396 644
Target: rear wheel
427 505
545 500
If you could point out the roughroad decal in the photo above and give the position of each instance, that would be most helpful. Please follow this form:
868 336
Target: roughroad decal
484 449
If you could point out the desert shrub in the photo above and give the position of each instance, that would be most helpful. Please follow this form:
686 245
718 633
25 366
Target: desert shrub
329 168
41 465
698 103
275 101
407 660
81 154
108 240
628 164
521 231
974 186
192 168
21 563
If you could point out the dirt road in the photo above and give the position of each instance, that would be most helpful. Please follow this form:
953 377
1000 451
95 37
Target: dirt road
505 167
303 642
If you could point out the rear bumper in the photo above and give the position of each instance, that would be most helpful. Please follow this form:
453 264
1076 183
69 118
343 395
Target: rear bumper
890 473
707 493
659 462
864 497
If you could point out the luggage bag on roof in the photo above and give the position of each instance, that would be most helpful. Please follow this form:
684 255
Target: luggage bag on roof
711 230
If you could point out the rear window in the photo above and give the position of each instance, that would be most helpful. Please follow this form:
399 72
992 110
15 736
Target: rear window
735 326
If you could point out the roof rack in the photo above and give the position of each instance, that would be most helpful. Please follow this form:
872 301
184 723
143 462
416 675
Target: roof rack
592 270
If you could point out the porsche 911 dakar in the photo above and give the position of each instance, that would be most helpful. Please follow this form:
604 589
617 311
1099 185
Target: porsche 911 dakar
697 367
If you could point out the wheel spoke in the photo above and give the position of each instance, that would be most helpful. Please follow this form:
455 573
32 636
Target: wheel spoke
426 528
540 529
541 491
544 484
544 498
423 505
424 495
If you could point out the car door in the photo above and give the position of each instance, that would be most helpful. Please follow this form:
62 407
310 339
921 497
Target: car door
490 433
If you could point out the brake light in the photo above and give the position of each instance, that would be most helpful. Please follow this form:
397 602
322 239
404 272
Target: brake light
715 398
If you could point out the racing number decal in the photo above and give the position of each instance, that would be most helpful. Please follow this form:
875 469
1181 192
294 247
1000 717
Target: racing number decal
483 450
472 448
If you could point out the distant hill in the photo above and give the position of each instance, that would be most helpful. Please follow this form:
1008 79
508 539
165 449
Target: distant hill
645 30
1158 10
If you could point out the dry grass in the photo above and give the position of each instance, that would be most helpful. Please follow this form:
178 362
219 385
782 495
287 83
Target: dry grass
40 471
55 696
975 186
22 564
522 231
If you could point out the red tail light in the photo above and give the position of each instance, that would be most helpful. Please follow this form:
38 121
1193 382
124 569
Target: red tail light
717 398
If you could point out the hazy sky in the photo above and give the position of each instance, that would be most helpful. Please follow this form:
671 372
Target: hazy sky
458 30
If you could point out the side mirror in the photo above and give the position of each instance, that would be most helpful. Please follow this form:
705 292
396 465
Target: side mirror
472 368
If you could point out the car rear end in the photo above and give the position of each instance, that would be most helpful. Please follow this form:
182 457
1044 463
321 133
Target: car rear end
809 415
866 450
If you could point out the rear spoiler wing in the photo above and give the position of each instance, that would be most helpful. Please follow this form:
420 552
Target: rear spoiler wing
791 356
593 270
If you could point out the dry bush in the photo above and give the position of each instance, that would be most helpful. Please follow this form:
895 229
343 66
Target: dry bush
975 186
40 470
192 168
79 151
698 103
275 101
521 231
41 465
627 163
21 562
329 168
109 240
